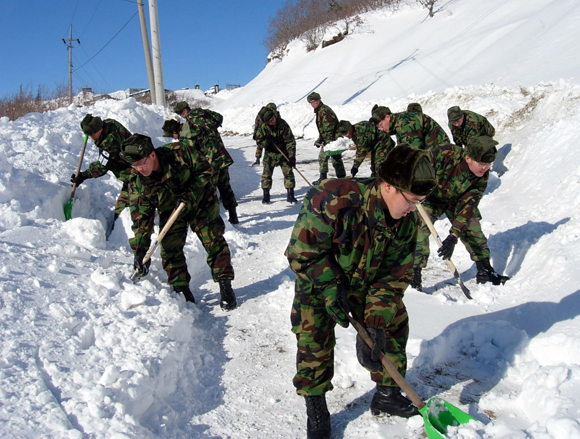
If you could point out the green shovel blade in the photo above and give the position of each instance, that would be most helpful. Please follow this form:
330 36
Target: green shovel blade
439 414
68 209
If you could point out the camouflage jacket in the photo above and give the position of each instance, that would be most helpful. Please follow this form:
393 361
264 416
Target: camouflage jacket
109 145
259 121
458 187
185 174
280 135
418 130
343 231
203 125
474 125
368 138
326 122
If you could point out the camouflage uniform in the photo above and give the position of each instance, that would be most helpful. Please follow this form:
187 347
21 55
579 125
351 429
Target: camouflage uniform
203 125
417 129
368 138
109 145
267 138
326 122
259 117
185 175
457 195
474 125
344 231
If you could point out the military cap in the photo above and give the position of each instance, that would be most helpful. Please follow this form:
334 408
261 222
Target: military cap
408 169
313 97
268 114
414 107
136 148
171 126
180 106
454 114
481 149
271 106
344 126
91 124
379 113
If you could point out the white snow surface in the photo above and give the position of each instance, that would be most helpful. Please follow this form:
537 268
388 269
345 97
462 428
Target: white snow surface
86 353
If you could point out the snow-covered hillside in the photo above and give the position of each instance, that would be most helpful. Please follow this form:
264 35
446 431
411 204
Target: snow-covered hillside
86 353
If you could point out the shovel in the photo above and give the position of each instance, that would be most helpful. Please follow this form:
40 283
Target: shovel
437 413
68 206
161 235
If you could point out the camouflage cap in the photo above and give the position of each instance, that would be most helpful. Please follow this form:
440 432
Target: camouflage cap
136 147
344 126
170 127
481 149
414 107
268 114
271 106
409 169
91 124
180 106
379 113
313 97
454 114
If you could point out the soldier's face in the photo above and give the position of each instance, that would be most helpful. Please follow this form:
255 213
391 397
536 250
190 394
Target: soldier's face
399 203
147 165
176 135
272 121
459 122
184 113
478 168
383 125
315 103
96 135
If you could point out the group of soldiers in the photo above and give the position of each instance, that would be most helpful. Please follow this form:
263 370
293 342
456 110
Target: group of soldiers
357 243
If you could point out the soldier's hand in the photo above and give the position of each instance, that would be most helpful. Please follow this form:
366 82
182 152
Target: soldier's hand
257 162
318 145
181 199
142 269
371 358
292 161
447 247
77 179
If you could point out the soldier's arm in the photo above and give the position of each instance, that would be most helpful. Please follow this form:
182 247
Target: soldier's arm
328 123
456 136
466 207
488 128
289 141
142 217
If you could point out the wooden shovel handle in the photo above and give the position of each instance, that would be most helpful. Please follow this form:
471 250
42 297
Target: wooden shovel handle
72 195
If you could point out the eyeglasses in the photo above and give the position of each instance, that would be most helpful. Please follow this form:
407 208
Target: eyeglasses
484 165
410 203
140 164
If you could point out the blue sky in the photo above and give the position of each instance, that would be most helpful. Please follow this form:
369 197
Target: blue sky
203 42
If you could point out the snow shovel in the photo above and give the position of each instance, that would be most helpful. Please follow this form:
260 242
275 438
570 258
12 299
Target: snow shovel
450 264
437 413
161 235
68 206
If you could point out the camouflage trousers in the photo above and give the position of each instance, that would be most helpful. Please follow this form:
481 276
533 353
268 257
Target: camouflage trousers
122 200
271 160
225 188
314 329
472 236
209 228
337 163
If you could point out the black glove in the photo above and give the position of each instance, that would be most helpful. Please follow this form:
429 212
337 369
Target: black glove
353 172
257 162
292 161
77 179
371 358
142 269
446 250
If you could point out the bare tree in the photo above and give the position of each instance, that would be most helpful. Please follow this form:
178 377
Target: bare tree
429 5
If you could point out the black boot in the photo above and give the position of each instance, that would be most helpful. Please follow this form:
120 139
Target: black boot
290 198
486 273
323 176
184 289
228 299
266 199
318 424
390 400
416 280
341 174
233 216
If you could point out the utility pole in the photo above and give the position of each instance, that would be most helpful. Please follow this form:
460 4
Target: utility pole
147 50
156 52
70 47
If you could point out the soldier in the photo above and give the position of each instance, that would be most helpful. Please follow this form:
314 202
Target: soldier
163 178
326 122
465 124
367 138
416 129
414 107
204 124
108 136
462 178
260 120
352 248
171 128
276 138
